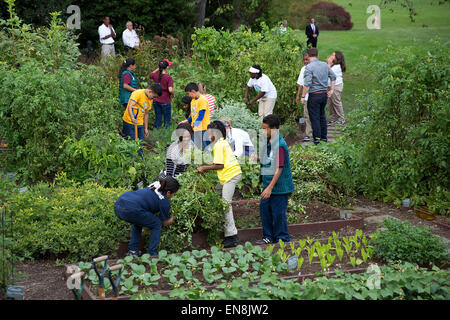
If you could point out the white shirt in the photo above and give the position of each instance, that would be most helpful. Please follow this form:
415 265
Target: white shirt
338 72
283 29
263 84
301 80
104 31
241 140
130 38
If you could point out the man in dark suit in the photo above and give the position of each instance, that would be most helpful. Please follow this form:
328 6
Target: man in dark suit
312 32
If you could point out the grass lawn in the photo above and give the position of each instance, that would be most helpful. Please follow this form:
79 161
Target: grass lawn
396 30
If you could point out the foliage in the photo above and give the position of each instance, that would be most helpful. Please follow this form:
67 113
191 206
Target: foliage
54 47
399 137
228 56
330 16
242 117
415 244
66 220
398 282
197 207
311 167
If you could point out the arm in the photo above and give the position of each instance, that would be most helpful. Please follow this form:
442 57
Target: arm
268 191
297 99
259 96
168 222
146 124
332 77
211 167
246 94
155 71
113 34
130 111
201 115
128 87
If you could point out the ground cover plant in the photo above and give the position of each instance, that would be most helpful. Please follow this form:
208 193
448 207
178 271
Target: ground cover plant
398 282
200 269
402 241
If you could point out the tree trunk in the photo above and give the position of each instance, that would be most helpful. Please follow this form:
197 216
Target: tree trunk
239 16
201 13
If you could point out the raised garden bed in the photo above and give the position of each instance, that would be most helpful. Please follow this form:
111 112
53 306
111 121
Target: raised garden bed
255 233
207 270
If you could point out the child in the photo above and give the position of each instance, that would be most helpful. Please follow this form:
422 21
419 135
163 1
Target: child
277 183
199 116
139 208
137 111
229 174
186 103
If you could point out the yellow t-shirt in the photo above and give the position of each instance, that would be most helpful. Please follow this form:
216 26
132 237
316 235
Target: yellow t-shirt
143 102
224 155
196 105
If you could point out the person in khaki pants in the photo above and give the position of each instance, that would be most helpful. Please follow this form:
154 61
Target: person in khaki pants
229 174
337 63
267 93
301 82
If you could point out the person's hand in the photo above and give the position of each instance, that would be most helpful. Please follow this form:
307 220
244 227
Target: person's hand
254 157
266 193
134 121
303 101
297 99
145 133
251 102
330 60
200 169
246 100
314 35
182 122
329 93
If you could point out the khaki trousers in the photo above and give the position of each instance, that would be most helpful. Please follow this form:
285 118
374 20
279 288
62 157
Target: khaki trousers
227 195
108 49
265 107
308 131
335 104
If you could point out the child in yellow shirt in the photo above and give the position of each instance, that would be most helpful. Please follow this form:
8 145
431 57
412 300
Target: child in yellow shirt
229 174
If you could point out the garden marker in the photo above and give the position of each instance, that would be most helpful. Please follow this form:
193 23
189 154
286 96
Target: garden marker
101 277
77 293
115 285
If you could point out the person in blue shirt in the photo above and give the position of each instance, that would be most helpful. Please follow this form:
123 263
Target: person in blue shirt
140 207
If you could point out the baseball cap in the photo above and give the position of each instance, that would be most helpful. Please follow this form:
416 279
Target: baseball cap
167 60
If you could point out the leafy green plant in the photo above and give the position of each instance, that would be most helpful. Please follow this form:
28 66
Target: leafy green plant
402 241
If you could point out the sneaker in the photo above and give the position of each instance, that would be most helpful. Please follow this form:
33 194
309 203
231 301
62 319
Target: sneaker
307 138
231 241
134 253
265 240
330 122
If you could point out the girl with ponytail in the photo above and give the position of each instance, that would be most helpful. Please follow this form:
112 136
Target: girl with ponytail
127 81
162 105
139 208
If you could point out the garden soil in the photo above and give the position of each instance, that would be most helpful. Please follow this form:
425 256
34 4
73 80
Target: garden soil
43 279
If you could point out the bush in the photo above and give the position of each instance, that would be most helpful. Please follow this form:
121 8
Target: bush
197 207
66 220
398 145
242 118
330 16
415 244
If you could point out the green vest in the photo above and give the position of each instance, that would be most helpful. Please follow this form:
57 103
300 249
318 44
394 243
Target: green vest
124 94
285 184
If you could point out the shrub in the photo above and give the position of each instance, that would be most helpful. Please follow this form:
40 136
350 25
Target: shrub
66 220
401 241
242 118
197 207
330 16
398 144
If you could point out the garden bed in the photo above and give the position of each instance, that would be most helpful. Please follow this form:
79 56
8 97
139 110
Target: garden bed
208 269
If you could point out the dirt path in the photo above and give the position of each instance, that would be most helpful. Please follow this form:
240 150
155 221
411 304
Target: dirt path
333 131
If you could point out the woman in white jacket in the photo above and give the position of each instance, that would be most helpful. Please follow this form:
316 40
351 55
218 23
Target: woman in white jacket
337 63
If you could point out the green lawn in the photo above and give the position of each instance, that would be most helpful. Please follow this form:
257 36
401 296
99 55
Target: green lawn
396 30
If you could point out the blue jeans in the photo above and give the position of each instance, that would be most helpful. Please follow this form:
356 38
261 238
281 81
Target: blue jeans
128 130
160 111
200 140
316 111
139 219
273 217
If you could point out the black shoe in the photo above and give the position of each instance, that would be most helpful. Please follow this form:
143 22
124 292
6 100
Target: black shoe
231 241
265 240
